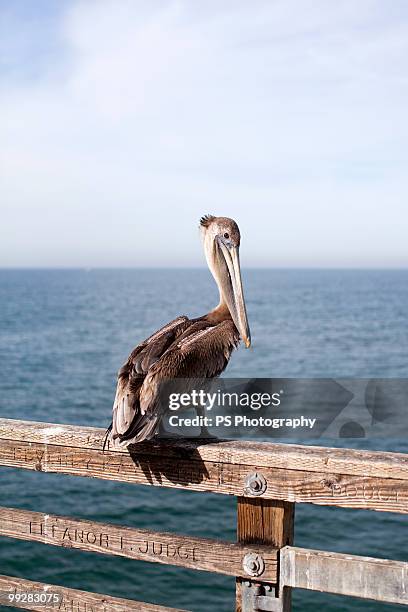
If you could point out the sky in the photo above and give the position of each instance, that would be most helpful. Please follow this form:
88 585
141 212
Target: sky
121 123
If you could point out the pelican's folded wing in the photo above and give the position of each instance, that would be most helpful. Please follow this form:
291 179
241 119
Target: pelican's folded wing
196 356
133 372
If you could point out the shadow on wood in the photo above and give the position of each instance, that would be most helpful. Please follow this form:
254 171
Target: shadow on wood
156 466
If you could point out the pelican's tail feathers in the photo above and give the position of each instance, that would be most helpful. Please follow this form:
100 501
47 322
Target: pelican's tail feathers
143 427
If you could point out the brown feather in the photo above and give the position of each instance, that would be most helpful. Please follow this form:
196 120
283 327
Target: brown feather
206 220
192 349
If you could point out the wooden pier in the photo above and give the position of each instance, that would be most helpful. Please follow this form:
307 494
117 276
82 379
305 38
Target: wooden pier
267 479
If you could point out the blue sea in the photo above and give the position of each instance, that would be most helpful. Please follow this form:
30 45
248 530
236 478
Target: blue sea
64 334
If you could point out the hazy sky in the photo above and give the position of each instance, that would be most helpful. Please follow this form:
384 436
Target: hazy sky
122 122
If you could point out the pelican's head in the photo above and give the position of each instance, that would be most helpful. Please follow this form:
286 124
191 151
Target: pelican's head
221 239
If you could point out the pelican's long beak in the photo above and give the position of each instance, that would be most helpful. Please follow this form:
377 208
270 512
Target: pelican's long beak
231 285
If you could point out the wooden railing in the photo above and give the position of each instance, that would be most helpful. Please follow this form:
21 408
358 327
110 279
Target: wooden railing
268 479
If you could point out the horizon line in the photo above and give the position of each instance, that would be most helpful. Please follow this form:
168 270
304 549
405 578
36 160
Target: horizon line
203 267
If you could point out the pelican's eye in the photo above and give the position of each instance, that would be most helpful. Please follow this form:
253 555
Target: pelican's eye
226 235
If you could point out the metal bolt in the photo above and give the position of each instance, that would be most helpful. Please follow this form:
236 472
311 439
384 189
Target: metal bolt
255 484
253 564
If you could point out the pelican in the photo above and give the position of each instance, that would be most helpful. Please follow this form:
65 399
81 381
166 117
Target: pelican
184 348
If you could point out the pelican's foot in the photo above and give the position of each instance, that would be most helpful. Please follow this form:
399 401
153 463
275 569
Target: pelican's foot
163 434
167 435
205 434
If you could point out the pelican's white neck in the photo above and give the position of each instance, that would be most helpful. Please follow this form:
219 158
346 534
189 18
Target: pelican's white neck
210 249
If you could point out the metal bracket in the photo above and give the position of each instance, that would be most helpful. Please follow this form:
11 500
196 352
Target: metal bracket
258 597
255 484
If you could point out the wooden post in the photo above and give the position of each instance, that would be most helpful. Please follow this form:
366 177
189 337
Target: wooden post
264 521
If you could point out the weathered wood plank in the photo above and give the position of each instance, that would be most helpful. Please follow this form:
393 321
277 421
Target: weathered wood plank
281 520
71 600
364 577
264 521
172 549
263 454
187 470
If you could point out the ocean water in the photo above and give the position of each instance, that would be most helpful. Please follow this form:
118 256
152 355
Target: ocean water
64 335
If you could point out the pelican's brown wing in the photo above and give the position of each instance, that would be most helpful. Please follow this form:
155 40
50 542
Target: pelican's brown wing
133 372
200 351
